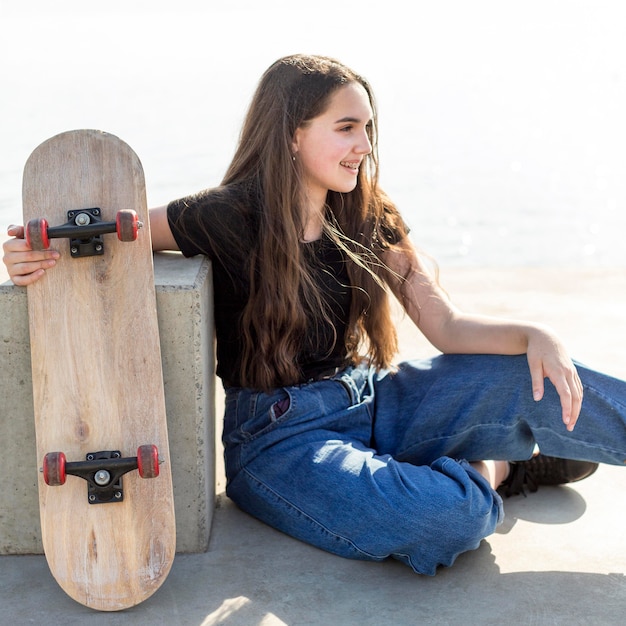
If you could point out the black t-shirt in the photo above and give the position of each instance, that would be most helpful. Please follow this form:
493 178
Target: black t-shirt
204 224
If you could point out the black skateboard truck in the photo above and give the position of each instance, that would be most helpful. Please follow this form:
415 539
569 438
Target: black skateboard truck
85 229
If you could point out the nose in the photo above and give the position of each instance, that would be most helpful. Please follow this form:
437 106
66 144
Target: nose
364 145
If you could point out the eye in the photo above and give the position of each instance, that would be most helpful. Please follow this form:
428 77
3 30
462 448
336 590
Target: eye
346 129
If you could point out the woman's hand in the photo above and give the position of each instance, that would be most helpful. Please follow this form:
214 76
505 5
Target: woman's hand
25 266
547 358
453 331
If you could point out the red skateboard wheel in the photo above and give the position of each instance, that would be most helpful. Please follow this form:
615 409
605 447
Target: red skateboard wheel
127 225
148 461
36 234
54 469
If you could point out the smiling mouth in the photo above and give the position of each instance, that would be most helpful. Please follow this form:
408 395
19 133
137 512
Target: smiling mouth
349 165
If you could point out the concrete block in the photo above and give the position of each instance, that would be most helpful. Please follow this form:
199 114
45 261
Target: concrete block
184 306
184 290
19 512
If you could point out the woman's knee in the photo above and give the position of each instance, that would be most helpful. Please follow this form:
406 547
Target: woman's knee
455 519
424 516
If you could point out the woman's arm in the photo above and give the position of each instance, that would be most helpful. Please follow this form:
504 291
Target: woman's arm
25 266
162 238
452 331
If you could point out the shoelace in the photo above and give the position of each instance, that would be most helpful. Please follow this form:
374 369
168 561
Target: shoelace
518 479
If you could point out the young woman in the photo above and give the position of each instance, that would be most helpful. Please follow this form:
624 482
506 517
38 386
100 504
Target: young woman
324 439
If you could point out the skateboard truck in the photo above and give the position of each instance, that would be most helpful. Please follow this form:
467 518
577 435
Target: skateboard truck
102 470
85 229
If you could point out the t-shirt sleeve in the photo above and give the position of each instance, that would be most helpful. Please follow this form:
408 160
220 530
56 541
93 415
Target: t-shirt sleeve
188 219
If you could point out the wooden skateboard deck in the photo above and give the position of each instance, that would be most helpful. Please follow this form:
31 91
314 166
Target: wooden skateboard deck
97 377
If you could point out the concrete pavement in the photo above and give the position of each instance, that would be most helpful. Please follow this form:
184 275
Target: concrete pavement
559 558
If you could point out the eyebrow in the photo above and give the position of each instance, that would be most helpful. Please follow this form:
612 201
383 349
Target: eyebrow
354 120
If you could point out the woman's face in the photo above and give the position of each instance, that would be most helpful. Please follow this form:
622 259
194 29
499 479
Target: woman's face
331 147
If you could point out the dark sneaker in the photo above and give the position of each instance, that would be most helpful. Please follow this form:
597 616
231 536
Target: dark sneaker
544 470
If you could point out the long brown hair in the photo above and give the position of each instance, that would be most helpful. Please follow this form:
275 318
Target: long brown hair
283 295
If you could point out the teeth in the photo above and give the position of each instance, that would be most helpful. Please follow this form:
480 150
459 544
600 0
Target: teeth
352 166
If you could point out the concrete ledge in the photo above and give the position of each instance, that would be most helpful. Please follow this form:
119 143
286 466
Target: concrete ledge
184 292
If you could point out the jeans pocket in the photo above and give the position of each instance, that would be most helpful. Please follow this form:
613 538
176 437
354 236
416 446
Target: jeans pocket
280 407
264 414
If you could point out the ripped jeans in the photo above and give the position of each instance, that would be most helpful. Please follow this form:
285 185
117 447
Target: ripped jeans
370 465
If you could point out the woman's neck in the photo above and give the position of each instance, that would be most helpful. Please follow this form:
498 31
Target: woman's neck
315 204
314 226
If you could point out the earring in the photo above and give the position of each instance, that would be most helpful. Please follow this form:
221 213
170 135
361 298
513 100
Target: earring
293 158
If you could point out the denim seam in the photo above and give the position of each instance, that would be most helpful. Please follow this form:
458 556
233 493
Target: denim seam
585 444
610 400
446 436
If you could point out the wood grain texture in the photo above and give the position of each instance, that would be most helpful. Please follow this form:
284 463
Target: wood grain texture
97 379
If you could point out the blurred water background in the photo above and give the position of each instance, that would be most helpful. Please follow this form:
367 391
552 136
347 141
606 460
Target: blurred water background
503 124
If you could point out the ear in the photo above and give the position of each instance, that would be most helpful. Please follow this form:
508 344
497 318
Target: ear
295 143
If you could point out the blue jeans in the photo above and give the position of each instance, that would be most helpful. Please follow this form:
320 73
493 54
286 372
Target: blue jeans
370 465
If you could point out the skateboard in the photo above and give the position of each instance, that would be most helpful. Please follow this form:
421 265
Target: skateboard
105 486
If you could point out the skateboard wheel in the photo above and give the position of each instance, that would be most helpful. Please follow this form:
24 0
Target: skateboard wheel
127 225
36 234
148 461
54 469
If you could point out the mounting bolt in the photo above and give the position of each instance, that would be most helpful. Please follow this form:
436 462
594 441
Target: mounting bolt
102 478
82 219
